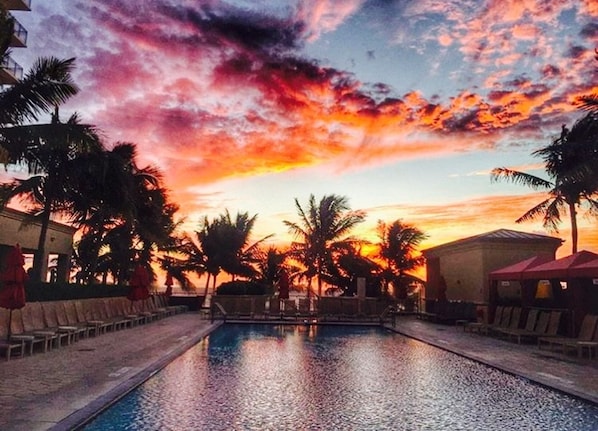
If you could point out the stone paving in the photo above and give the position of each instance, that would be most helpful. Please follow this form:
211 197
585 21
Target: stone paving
569 374
59 389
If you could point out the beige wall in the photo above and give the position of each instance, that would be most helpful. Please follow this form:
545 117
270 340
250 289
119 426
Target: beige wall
59 239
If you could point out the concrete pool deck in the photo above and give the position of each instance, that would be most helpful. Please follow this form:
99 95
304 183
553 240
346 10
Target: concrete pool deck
59 389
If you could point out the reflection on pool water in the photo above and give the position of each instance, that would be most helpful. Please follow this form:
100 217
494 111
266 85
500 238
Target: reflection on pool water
260 377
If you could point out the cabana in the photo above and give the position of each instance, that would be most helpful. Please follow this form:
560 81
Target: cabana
569 283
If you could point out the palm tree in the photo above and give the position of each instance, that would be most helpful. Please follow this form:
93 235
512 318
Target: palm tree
570 161
114 193
50 152
321 229
269 266
47 85
398 250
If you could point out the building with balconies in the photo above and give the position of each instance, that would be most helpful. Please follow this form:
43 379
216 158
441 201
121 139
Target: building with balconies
10 71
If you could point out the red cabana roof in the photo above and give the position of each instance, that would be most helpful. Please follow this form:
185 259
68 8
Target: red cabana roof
559 268
585 270
515 271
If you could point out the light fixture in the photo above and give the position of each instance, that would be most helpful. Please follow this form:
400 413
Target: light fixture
544 290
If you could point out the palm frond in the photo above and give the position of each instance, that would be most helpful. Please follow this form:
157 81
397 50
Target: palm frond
518 177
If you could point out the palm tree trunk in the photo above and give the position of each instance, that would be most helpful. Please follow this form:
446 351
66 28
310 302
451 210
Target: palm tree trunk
38 256
574 233
205 292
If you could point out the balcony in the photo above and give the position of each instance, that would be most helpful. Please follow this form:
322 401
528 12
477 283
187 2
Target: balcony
16 4
19 35
10 72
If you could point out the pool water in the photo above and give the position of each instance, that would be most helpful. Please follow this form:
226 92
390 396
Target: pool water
263 377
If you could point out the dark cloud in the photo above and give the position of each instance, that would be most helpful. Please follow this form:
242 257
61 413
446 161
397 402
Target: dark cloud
590 30
245 29
551 71
575 52
518 82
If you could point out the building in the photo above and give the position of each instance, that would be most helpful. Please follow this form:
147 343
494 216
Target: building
10 71
17 227
460 269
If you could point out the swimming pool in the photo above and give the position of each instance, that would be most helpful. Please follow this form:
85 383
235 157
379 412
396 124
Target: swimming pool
262 377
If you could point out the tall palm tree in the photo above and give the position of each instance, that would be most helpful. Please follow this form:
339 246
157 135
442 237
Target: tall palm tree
398 250
322 228
571 161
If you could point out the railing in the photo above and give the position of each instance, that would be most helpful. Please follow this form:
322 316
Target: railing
216 305
388 311
11 68
19 33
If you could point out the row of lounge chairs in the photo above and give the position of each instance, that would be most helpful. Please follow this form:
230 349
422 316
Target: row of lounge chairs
47 325
541 327
323 308
507 320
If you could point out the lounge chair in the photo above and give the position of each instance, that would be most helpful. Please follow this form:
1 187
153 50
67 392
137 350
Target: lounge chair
51 324
63 322
513 324
591 346
70 313
28 334
586 334
114 314
480 327
503 321
8 346
161 304
97 316
528 330
84 316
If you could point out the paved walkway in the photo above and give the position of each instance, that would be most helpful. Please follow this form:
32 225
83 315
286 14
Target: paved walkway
58 389
578 377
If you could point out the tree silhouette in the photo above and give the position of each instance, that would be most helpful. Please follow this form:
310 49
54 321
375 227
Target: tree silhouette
322 229
571 162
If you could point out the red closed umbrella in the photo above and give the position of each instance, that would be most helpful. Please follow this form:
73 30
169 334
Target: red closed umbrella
13 277
283 285
168 283
139 283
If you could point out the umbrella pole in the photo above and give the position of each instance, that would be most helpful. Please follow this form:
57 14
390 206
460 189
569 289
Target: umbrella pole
8 334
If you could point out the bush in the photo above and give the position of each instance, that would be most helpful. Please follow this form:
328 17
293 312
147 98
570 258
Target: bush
40 291
243 287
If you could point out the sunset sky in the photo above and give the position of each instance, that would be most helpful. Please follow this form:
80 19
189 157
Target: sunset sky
402 106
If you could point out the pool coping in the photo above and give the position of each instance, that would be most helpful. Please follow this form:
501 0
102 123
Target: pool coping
78 419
